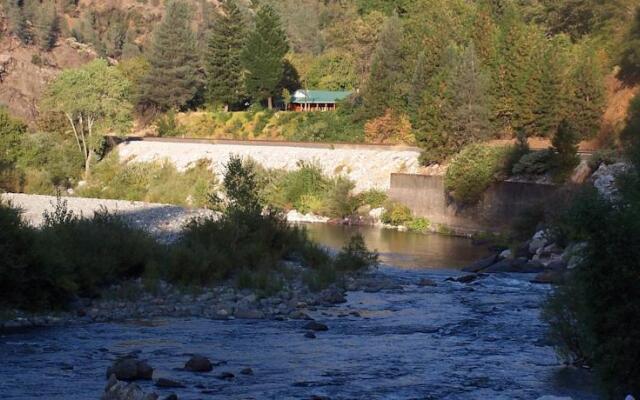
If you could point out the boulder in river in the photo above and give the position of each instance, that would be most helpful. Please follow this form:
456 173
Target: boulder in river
310 335
168 383
117 390
481 264
427 282
226 376
464 278
316 326
198 364
130 369
246 371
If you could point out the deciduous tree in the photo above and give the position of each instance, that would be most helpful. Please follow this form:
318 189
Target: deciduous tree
94 99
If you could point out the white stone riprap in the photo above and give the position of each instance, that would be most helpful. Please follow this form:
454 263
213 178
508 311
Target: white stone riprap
368 168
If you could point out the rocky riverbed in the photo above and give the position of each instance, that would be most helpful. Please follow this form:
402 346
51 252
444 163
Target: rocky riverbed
401 334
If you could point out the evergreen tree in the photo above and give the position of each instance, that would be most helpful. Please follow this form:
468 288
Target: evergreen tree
468 88
48 26
263 56
173 78
553 97
588 95
225 81
630 54
385 86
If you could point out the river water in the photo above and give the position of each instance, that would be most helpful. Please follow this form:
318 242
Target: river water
453 341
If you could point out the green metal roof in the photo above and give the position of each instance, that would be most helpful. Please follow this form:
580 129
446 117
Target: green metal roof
318 96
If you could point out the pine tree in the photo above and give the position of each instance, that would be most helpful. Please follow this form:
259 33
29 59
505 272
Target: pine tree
263 56
588 95
173 80
48 26
225 81
385 86
468 88
553 97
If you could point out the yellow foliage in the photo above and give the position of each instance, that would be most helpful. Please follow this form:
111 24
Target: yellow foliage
390 128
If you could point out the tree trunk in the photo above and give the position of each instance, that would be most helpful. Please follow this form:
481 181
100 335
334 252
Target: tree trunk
87 165
226 108
270 102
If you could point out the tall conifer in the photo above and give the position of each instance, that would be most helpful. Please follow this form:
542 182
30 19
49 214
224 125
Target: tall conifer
384 88
225 81
263 56
173 80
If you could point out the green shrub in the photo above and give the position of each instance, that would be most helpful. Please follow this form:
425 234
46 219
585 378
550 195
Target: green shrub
320 278
355 256
373 197
242 238
603 156
167 125
473 170
396 214
308 179
595 317
535 163
69 256
16 242
156 182
420 225
340 200
565 146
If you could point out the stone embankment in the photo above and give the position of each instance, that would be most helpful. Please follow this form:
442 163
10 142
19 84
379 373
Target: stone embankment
368 168
541 255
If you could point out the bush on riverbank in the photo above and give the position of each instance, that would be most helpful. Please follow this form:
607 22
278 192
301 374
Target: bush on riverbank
474 169
308 190
154 182
595 316
69 256
249 238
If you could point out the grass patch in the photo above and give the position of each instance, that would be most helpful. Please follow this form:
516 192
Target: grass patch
154 182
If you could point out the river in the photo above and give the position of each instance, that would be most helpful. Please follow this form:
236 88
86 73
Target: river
453 341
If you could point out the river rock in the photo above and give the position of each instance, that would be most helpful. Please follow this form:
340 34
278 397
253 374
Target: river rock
464 278
168 383
506 254
310 335
117 390
248 313
198 364
130 369
549 277
226 376
316 326
331 296
246 371
427 282
538 241
298 314
481 264
172 396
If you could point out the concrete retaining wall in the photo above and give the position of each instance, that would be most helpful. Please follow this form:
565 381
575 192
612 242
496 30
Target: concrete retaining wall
368 166
499 206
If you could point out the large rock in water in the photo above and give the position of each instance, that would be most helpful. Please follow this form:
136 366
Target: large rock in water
481 264
198 364
130 369
117 390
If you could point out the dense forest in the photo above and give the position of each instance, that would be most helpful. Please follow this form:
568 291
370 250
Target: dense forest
440 74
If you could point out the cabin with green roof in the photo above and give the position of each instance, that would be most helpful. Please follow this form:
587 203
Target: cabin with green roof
316 100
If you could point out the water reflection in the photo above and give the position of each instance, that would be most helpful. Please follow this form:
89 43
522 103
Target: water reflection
404 249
